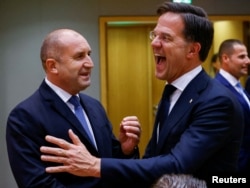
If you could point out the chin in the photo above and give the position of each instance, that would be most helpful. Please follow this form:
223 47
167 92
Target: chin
160 77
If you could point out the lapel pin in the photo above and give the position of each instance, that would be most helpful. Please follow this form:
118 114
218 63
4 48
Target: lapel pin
191 100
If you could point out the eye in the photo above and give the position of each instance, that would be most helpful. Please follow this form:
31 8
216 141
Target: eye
80 56
166 38
242 56
161 36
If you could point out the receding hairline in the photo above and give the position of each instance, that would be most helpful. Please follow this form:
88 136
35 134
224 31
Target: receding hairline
228 46
54 42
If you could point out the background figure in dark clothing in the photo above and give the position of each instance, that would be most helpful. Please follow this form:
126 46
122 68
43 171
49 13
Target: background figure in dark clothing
247 85
234 64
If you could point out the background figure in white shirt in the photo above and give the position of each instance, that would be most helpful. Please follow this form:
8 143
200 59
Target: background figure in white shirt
234 61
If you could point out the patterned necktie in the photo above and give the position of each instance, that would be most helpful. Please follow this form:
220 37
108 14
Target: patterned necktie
74 100
164 105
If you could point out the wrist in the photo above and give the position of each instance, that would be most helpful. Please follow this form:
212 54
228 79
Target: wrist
96 170
134 151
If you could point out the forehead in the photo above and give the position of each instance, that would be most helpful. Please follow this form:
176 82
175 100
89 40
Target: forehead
239 49
74 41
170 22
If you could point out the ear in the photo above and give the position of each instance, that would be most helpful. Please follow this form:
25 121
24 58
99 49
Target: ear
51 65
194 49
224 57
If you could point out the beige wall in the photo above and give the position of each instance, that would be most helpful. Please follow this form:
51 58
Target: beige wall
225 30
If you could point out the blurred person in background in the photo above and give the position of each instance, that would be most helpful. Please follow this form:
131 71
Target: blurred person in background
234 61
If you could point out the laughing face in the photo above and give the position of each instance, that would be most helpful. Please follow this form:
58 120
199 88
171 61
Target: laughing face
171 50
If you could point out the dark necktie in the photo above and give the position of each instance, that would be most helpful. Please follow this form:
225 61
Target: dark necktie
164 105
75 101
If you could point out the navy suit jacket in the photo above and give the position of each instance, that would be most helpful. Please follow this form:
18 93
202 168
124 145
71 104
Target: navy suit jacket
247 86
44 113
244 156
201 136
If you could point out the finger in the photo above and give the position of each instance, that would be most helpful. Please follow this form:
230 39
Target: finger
133 122
133 126
57 169
130 118
75 139
53 151
133 136
54 159
132 129
58 141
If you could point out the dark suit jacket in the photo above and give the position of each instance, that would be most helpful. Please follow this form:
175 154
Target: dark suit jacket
44 113
247 86
244 156
202 136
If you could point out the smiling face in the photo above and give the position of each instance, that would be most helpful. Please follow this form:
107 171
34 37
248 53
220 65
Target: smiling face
174 56
237 62
72 69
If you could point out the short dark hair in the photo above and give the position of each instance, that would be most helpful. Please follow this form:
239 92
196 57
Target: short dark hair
227 46
198 28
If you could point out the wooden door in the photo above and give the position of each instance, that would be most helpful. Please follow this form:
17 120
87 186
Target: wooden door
132 88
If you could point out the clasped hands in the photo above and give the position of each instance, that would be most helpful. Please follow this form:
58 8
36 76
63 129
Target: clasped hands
75 158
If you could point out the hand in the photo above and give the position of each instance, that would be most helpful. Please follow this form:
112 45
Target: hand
130 133
75 157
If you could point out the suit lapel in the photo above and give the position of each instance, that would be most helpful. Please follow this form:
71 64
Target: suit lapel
185 102
240 98
62 109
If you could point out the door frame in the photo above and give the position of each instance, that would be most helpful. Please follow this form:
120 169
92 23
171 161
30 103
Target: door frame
104 22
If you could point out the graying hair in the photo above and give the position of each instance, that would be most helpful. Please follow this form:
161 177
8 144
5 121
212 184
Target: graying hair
179 181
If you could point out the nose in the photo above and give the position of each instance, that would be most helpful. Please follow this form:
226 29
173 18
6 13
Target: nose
156 42
248 60
88 62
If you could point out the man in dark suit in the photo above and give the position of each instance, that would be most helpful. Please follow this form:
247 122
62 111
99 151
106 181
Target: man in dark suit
201 132
247 85
65 56
234 64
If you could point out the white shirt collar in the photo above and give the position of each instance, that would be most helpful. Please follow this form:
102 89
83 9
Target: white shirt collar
230 78
182 82
60 92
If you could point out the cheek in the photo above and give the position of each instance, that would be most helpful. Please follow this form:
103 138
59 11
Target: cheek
64 71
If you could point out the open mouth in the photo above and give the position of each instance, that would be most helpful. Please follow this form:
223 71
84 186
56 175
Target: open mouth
159 59
85 74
